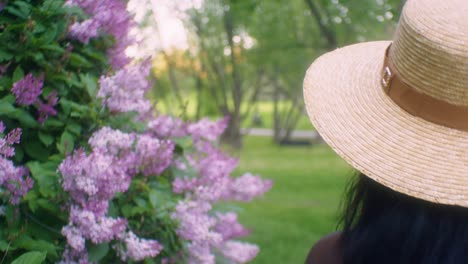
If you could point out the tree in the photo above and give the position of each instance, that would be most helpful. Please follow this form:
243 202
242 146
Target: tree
250 48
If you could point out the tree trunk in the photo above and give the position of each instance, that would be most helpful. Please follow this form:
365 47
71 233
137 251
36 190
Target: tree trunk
233 133
329 34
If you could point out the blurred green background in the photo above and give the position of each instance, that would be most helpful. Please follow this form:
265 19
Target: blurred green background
247 59
301 207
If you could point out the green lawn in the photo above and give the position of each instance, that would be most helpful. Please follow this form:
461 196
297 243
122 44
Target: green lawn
303 203
265 110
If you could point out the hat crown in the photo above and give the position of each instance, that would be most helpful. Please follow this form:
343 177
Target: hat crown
430 48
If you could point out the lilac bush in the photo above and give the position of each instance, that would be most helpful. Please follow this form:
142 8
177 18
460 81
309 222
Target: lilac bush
90 173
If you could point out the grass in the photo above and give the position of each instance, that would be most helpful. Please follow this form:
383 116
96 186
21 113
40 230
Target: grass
265 110
303 203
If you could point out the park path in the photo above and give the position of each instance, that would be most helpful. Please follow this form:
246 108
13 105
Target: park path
266 132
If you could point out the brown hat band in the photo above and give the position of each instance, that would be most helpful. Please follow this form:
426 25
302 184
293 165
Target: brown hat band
419 104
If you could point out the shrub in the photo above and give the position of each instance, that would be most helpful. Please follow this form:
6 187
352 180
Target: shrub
89 172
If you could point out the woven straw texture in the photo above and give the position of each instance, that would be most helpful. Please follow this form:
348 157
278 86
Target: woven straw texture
347 105
430 48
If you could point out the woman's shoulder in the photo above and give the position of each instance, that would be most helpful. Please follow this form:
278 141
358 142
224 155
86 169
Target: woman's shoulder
326 251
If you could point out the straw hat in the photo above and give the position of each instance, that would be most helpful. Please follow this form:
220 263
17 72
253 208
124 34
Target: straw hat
398 111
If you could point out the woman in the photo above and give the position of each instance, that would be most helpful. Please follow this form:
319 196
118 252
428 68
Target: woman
398 113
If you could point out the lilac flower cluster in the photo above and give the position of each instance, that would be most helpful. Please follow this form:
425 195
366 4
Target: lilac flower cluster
154 155
207 129
87 225
28 89
94 179
138 249
125 91
105 16
27 92
167 127
47 109
15 180
207 233
239 252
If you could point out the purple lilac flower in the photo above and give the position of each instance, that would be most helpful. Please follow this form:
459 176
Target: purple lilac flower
71 256
167 126
125 91
6 144
154 155
14 179
207 129
211 183
74 238
196 226
93 177
239 252
28 89
229 227
138 249
247 187
112 141
47 109
18 184
97 229
184 185
110 17
85 30
213 170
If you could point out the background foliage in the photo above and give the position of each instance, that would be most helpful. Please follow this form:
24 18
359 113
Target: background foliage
245 53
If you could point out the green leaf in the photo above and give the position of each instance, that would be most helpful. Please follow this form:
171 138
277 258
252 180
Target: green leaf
4 55
36 150
3 245
45 178
49 35
53 47
127 210
51 207
17 12
155 198
26 242
25 118
5 83
79 61
90 84
75 128
19 153
52 122
46 138
30 258
18 74
97 252
67 143
6 108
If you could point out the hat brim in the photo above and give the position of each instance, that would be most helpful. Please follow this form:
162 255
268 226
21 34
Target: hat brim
346 104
